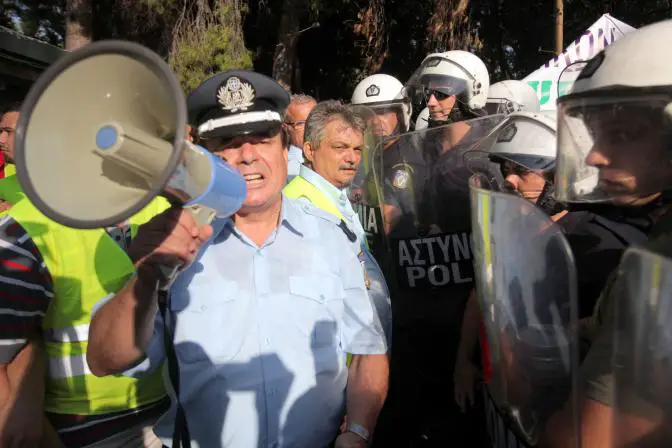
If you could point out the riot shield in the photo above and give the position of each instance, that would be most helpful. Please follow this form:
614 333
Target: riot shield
364 193
364 198
423 183
527 291
424 192
642 296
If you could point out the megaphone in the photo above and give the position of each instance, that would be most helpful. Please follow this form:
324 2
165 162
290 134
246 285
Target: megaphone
102 132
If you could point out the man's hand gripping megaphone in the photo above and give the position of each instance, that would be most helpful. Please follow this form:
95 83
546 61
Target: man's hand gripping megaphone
167 243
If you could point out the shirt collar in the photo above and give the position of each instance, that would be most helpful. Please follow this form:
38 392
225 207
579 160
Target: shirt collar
326 187
290 217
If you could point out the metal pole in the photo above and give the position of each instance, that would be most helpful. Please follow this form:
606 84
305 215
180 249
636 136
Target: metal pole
559 15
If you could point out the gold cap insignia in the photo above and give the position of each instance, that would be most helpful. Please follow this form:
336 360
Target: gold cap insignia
236 95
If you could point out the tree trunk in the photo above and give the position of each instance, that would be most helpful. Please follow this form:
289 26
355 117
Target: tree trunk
234 23
78 21
284 58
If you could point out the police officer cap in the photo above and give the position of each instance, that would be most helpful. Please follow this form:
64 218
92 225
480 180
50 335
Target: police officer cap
237 102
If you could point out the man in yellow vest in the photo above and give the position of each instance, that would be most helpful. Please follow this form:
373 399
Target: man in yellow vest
333 145
52 277
8 120
10 190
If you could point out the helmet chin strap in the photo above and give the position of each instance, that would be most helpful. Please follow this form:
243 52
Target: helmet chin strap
547 201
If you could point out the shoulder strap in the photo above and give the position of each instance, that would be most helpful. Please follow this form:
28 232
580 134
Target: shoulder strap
180 429
338 221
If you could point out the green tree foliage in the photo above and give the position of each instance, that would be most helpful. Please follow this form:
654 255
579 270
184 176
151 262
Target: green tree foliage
337 42
209 41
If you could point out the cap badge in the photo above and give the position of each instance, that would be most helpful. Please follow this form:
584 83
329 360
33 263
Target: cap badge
236 95
372 90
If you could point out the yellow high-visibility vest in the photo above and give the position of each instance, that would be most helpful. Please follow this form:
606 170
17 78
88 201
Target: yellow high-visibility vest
86 266
10 191
10 169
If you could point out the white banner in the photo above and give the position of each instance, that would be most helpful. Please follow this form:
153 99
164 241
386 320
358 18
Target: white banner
546 80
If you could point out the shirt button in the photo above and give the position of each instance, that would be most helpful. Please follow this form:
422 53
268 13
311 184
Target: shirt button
267 342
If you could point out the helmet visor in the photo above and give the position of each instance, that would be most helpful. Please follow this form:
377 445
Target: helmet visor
613 148
388 119
496 106
438 76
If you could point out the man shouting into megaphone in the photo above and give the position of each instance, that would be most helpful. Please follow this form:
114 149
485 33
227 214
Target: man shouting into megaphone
272 301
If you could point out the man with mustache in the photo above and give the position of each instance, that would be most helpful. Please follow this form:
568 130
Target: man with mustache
257 327
333 145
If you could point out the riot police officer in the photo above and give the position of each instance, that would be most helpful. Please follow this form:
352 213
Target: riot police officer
402 170
614 147
432 259
523 151
454 86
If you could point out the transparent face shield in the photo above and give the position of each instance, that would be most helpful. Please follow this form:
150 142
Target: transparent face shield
362 189
495 106
613 149
388 118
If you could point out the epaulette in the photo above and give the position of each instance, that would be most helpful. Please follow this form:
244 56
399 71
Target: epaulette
311 209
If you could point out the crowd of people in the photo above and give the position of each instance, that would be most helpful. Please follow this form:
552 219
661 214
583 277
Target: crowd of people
435 263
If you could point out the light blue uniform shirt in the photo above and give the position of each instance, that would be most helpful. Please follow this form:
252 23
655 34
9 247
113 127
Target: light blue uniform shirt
262 333
378 290
294 162
339 197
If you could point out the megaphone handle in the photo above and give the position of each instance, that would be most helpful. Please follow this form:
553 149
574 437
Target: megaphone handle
202 216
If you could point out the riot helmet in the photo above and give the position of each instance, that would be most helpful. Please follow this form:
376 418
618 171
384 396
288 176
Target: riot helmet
614 126
385 95
522 152
453 85
510 96
422 121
